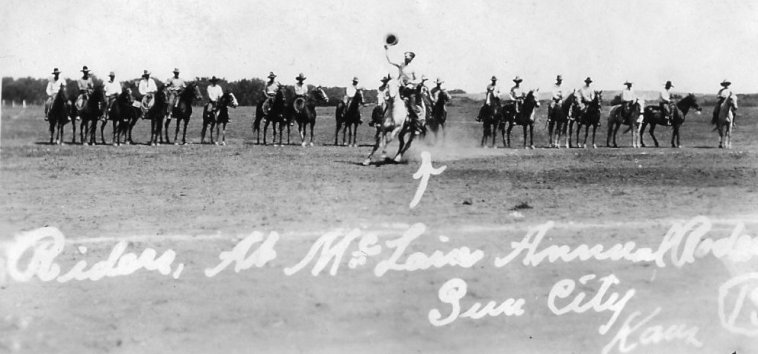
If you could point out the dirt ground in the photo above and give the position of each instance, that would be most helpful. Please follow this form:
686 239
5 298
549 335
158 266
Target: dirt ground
200 200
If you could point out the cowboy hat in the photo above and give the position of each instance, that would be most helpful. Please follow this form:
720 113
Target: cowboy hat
588 80
300 77
176 70
145 73
410 54
517 79
385 78
669 84
439 81
213 79
84 69
559 77
627 82
111 73
726 82
271 75
424 78
56 71
494 78
355 78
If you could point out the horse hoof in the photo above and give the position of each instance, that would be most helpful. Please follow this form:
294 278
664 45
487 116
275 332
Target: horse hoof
302 144
215 143
311 144
366 162
176 143
594 146
531 147
223 143
398 158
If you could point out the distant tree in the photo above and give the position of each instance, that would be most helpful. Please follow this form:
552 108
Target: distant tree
456 92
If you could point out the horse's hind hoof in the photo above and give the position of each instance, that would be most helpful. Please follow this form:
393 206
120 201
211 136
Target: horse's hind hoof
302 144
223 143
594 146
531 147
366 162
176 143
311 144
398 158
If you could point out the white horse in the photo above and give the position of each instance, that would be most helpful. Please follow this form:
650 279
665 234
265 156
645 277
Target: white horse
725 121
396 122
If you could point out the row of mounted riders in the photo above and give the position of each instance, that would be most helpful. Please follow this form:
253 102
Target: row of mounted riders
564 114
123 112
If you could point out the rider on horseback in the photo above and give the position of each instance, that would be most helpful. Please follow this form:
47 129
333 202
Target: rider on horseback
627 98
54 84
517 94
382 94
557 96
147 89
350 92
666 103
214 94
271 87
86 87
112 89
175 86
435 91
301 89
491 94
722 95
586 94
408 82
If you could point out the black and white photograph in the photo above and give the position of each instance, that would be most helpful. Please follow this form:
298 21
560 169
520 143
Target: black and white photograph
394 176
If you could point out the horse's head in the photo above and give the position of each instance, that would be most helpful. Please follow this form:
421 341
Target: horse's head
160 95
598 101
229 99
531 98
689 101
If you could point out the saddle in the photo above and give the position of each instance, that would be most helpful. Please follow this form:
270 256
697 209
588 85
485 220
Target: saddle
267 105
81 101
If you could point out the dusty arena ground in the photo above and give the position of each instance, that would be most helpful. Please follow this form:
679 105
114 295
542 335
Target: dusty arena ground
201 200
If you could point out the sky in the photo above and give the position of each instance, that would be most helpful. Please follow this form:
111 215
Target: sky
694 43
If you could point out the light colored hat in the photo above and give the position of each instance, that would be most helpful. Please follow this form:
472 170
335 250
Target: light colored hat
85 69
300 77
588 80
439 81
726 82
176 70
355 78
111 73
494 78
146 73
56 71
517 79
271 75
669 84
411 54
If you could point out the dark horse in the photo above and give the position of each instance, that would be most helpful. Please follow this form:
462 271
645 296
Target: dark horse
303 111
218 118
272 111
156 115
90 113
653 116
183 110
438 117
590 116
58 116
524 118
559 117
348 117
491 115
122 113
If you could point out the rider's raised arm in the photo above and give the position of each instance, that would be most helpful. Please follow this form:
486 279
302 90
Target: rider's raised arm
387 55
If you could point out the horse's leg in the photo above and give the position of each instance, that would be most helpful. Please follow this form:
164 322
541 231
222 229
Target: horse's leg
184 131
202 132
594 131
312 125
355 134
215 126
176 131
652 134
676 129
265 131
377 141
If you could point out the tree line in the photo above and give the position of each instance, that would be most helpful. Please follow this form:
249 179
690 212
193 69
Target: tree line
248 91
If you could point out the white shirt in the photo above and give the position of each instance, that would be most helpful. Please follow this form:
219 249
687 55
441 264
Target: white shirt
147 86
112 88
517 93
53 86
724 92
214 92
627 95
272 87
351 90
557 92
301 89
381 95
665 96
587 94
